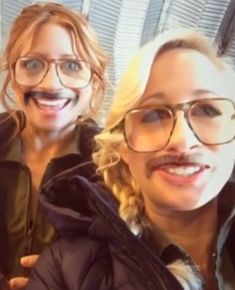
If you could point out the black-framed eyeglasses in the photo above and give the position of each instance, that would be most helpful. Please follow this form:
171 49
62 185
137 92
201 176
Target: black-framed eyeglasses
149 129
72 72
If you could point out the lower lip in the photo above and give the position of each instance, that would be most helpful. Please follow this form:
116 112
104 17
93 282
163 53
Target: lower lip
180 180
50 112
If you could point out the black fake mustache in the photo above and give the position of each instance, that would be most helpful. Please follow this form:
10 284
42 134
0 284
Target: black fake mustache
35 94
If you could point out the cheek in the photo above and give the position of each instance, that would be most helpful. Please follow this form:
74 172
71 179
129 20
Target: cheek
225 157
228 151
18 95
137 168
233 151
84 97
132 160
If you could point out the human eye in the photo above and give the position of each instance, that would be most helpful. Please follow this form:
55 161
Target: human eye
31 64
208 109
155 115
71 66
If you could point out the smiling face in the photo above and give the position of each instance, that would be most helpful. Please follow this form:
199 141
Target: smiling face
50 106
185 174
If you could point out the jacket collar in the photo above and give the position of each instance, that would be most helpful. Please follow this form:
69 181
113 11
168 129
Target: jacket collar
11 125
80 210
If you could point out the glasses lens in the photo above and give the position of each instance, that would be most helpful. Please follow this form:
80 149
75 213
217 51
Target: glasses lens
74 73
148 129
213 120
29 70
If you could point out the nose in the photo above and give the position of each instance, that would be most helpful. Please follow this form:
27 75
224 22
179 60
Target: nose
183 138
51 79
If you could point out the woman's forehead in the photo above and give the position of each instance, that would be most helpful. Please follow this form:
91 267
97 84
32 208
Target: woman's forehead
183 72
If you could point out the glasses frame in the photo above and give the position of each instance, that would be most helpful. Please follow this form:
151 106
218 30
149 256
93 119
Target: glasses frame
48 62
173 109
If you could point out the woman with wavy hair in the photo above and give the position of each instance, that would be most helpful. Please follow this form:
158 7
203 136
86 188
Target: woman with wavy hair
55 80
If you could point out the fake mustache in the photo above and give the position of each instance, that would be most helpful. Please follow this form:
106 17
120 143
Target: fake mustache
35 94
180 159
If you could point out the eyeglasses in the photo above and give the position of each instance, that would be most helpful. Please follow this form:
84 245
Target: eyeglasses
72 72
149 129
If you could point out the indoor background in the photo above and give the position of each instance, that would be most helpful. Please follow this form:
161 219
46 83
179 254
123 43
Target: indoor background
124 25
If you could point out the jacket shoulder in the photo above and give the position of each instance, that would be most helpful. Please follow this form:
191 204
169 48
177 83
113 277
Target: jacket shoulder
11 125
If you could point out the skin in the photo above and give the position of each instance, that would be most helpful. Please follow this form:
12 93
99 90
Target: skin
46 136
185 209
21 282
167 85
52 41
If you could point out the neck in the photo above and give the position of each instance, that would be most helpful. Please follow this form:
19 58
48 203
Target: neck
49 144
194 230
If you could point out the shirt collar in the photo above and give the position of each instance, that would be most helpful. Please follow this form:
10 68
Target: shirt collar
12 152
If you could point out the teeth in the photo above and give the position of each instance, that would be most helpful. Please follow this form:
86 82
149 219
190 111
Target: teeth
52 103
183 170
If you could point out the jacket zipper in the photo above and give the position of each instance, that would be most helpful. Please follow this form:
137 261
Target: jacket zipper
29 221
153 272
162 285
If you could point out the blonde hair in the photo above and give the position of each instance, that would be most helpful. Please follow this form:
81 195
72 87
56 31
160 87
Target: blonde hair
25 27
115 172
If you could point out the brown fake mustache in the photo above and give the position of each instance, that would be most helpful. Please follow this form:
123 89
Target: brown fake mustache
178 159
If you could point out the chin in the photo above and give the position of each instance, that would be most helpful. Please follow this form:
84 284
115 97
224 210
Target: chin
188 202
48 129
193 205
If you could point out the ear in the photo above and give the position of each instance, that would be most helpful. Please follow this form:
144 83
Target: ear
124 152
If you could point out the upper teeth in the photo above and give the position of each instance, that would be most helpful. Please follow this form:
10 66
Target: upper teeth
52 103
183 170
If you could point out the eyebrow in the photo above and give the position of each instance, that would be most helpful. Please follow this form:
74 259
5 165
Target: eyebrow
69 55
161 96
45 56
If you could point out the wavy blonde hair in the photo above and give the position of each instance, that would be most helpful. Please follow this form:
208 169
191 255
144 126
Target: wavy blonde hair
115 172
22 33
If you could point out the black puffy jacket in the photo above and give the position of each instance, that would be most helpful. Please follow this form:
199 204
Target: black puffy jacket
96 251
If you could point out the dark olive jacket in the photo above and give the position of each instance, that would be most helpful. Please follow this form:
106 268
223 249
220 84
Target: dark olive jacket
19 235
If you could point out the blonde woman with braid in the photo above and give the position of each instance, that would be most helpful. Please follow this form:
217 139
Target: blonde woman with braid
164 217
